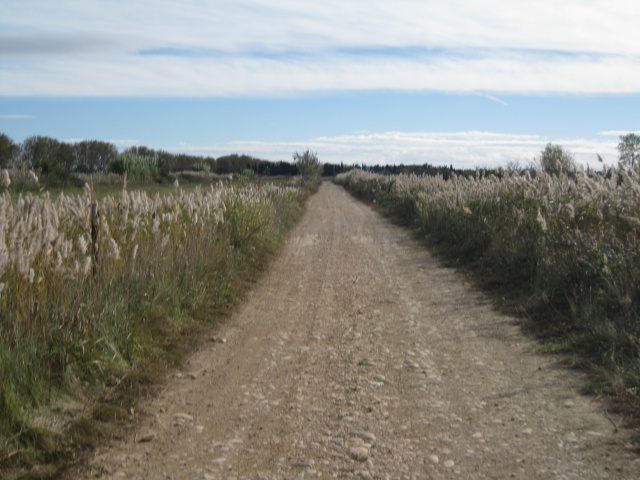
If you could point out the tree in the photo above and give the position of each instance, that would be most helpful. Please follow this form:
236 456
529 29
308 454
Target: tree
8 151
308 165
54 159
629 148
555 160
93 156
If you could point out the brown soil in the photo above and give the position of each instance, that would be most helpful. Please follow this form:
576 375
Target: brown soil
359 355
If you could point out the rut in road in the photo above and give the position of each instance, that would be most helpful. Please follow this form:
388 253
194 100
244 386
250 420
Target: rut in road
357 355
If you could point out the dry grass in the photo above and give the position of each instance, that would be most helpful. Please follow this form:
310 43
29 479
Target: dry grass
568 243
85 304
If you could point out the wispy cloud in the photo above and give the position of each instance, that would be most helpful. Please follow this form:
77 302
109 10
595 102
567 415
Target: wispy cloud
187 76
268 47
462 149
618 133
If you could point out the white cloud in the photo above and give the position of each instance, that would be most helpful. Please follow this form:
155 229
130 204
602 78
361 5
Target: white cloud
462 149
269 47
618 133
193 77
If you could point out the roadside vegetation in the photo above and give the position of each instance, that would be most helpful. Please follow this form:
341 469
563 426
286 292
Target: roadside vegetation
559 244
99 292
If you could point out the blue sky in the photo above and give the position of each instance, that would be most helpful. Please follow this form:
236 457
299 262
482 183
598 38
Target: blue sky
457 82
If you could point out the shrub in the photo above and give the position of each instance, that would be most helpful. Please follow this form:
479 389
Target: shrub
555 160
308 166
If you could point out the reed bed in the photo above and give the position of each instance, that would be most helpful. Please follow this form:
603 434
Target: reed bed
566 246
91 290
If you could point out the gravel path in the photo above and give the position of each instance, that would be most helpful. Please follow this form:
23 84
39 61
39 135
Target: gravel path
358 356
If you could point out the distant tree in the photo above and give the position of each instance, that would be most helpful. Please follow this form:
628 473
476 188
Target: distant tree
93 156
52 158
629 148
555 160
142 151
8 151
308 165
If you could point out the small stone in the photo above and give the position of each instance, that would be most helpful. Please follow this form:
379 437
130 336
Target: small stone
147 437
569 404
366 436
434 459
477 435
527 431
381 379
182 418
360 454
449 464
199 428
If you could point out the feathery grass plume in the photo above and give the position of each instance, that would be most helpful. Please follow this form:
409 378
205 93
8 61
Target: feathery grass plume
33 178
6 179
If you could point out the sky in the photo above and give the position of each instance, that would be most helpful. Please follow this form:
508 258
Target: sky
446 82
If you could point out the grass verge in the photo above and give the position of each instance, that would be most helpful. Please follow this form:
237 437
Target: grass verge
96 307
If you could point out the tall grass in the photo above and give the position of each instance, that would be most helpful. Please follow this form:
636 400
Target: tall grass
569 242
83 306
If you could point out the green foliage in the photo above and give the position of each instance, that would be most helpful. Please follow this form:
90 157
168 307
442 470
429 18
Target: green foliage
555 160
135 165
8 151
629 148
309 166
92 156
201 167
49 157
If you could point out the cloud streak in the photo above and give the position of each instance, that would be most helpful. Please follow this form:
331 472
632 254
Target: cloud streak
267 48
172 75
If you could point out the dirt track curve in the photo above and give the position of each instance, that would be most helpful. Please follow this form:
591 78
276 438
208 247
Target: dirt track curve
358 355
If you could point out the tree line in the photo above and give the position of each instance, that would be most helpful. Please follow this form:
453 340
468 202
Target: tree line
60 162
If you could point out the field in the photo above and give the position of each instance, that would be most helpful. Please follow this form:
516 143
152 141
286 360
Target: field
94 288
562 250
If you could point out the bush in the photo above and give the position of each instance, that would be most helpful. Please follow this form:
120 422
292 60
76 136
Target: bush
138 166
555 160
309 166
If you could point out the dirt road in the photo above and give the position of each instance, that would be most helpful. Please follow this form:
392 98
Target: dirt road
358 356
